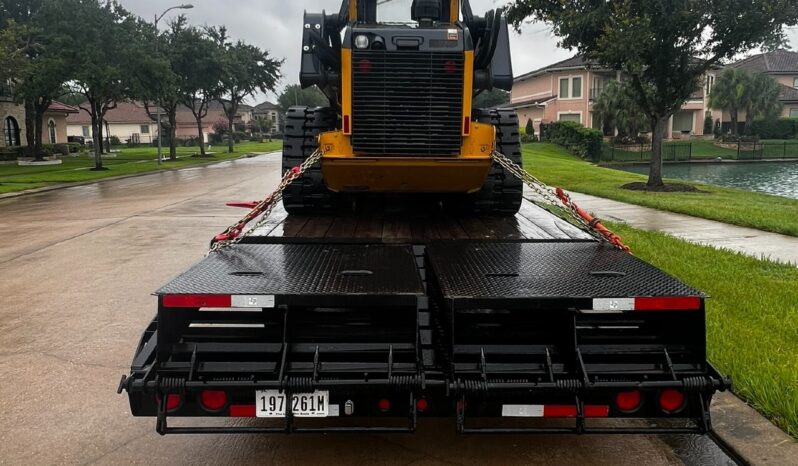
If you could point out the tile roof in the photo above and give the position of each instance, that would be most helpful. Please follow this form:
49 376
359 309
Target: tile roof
532 101
135 113
61 107
266 106
577 61
777 61
787 93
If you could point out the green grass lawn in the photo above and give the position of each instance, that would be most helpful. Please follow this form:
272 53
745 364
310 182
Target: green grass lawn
752 317
554 166
127 162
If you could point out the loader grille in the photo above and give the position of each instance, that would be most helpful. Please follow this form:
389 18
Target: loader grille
407 102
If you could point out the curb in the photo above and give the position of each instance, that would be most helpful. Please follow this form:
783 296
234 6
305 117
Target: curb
749 434
45 189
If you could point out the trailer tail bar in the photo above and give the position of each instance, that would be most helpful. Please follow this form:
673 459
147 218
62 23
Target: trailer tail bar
647 303
217 300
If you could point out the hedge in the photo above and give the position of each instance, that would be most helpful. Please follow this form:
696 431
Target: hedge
781 128
584 142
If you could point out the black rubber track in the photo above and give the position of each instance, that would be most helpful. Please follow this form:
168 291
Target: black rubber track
308 194
502 192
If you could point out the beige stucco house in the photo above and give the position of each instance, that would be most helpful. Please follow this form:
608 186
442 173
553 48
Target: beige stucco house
567 89
12 116
781 65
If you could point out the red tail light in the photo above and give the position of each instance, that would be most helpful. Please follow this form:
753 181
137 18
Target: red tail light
173 401
364 66
671 400
466 126
422 404
628 401
347 125
213 400
384 405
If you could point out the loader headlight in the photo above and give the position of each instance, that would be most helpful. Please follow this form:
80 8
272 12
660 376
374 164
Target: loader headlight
361 41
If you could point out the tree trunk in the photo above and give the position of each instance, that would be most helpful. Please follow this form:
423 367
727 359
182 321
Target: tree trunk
660 125
749 120
230 141
30 130
39 128
95 130
100 136
733 117
201 135
172 133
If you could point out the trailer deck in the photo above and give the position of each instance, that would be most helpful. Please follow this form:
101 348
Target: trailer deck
413 313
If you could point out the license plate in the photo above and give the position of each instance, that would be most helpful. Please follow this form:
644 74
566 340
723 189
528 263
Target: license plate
272 403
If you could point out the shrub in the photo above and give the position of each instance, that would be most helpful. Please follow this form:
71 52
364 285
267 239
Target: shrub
708 127
74 147
730 138
61 149
530 128
776 128
716 130
115 141
584 142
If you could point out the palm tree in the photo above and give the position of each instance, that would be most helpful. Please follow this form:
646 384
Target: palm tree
763 100
731 93
616 107
264 122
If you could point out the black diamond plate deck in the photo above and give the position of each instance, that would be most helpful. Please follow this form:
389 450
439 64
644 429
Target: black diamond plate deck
494 275
307 274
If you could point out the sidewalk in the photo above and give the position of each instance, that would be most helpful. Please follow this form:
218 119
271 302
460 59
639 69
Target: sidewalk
756 243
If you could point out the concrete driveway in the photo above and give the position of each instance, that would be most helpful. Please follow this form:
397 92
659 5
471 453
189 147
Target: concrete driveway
77 267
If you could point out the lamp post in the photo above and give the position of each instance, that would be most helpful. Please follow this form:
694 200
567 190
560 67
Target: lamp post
185 6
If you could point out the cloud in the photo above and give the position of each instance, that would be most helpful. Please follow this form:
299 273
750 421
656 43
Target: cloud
275 25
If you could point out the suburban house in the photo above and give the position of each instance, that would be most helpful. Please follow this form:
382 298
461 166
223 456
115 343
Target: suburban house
271 111
13 119
781 65
130 122
567 89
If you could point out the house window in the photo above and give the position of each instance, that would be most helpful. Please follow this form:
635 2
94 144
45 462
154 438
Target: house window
795 83
794 113
85 131
709 83
575 117
564 86
52 132
11 132
571 87
145 129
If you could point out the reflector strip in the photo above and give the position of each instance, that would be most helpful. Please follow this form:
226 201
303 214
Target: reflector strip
553 411
197 300
613 304
242 410
347 125
676 303
466 126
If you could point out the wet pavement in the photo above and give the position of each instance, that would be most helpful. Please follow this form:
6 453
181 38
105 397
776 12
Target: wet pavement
77 267
755 243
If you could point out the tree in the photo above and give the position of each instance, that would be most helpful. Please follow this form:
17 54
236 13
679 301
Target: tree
616 107
762 99
198 64
663 47
530 128
246 69
104 49
492 98
730 94
293 95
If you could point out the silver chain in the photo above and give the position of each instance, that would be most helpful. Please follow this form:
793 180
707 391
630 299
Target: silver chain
264 208
545 192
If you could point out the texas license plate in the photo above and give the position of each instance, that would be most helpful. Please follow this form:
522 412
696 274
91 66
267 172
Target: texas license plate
272 403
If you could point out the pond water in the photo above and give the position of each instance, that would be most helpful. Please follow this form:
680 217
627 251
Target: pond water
780 179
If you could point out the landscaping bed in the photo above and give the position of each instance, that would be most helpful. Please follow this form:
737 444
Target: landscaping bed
553 165
752 317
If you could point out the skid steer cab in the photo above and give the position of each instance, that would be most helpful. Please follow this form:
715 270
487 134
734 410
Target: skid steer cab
400 77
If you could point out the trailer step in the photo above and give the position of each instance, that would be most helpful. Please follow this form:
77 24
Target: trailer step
305 275
526 275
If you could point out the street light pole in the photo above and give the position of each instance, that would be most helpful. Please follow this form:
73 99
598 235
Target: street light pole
185 6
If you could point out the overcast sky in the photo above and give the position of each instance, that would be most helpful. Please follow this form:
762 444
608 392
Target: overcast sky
275 25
